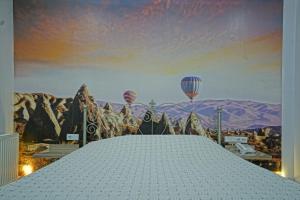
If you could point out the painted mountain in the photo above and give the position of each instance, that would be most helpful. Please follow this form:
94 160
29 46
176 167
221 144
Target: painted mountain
235 114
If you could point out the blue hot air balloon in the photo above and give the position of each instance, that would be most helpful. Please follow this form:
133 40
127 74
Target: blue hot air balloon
190 86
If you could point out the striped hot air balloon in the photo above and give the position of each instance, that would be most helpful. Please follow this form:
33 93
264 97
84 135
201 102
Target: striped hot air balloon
129 96
190 86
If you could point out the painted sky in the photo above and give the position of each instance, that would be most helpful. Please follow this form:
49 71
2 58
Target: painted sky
148 46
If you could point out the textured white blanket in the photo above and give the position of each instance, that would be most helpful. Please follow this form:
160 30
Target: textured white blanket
151 167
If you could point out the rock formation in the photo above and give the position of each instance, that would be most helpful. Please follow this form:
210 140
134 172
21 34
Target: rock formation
42 117
74 118
130 123
193 125
113 122
179 127
164 126
38 116
108 108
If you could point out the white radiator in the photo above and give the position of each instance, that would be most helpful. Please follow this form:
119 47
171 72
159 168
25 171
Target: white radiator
9 152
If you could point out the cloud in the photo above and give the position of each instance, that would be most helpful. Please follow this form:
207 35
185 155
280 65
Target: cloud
254 54
167 36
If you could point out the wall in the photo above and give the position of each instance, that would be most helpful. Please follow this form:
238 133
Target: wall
9 142
184 58
290 97
297 100
6 67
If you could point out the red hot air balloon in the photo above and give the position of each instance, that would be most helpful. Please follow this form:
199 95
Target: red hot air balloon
129 96
190 86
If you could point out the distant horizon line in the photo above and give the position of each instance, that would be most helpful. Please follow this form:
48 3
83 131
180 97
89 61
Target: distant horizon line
187 101
225 99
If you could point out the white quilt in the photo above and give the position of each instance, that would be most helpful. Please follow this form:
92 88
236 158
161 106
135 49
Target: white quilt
151 167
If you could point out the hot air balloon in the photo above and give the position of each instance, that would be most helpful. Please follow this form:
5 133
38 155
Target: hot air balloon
190 86
129 96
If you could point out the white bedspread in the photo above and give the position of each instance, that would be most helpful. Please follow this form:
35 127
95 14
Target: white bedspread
151 167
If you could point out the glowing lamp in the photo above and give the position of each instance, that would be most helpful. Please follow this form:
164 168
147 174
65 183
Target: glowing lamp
280 173
27 169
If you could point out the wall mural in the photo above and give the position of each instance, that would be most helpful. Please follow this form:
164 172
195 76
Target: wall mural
147 67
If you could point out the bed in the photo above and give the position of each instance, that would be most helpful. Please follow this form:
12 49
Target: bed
151 167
